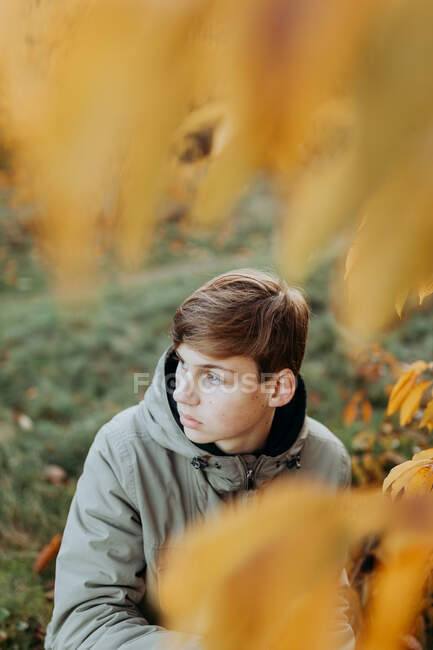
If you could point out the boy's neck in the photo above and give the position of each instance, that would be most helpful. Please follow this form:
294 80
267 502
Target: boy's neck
250 444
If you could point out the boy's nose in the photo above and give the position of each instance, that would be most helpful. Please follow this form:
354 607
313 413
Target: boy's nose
185 390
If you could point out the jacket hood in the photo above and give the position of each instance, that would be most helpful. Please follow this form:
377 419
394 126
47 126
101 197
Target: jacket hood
163 427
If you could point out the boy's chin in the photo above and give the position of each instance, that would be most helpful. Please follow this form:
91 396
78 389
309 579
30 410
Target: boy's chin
198 436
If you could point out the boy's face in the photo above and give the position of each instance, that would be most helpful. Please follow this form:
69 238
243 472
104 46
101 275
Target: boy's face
229 405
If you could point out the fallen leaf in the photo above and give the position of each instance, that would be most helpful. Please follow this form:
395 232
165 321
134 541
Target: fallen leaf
366 411
48 553
351 410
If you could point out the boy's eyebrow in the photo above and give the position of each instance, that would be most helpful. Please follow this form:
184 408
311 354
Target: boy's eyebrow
206 365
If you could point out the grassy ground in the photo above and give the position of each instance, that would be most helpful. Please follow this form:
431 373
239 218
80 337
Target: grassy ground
68 372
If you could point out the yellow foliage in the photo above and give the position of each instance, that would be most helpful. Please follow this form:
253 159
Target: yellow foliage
95 96
400 391
381 174
253 593
427 420
90 116
425 290
412 402
396 594
413 476
406 394
425 454
262 573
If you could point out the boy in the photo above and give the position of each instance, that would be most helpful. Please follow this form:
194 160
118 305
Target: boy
224 414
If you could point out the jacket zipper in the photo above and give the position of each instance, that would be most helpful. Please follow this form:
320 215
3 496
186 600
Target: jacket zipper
250 474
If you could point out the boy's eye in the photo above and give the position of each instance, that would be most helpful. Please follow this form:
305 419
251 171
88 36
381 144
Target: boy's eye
214 378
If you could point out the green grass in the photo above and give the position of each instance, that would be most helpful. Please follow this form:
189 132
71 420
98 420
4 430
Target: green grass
70 370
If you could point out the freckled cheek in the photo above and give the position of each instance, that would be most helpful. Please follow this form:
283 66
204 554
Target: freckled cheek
220 411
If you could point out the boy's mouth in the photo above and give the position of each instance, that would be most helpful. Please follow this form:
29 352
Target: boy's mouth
187 420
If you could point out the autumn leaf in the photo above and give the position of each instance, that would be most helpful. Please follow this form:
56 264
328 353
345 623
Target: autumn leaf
413 476
351 410
421 482
404 385
419 367
400 391
400 301
390 614
424 454
350 260
48 553
226 562
412 402
426 290
399 476
366 411
427 420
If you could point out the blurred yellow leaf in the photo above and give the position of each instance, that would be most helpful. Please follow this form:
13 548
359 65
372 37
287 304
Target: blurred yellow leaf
413 476
400 390
421 482
381 174
400 302
412 402
366 411
90 117
399 476
427 420
350 260
404 385
424 454
238 588
425 291
351 409
419 367
396 595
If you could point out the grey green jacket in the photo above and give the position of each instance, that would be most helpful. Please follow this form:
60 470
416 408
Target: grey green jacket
143 480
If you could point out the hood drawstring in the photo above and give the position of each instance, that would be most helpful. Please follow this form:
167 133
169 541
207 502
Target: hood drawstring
199 462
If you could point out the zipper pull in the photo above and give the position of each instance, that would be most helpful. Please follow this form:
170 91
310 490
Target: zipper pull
249 479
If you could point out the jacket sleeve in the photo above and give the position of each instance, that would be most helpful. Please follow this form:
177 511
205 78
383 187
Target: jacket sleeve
100 566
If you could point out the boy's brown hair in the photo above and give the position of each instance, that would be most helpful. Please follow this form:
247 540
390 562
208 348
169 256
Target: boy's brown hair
245 312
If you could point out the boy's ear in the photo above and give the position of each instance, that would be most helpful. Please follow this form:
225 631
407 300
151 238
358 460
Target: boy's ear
283 388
